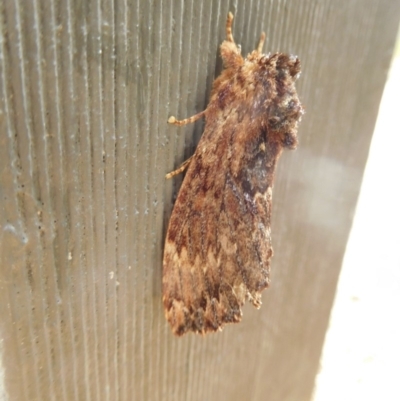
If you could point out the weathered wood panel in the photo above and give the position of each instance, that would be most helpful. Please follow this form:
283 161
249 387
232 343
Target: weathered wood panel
86 90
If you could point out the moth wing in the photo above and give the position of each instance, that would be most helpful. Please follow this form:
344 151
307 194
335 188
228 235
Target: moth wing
218 244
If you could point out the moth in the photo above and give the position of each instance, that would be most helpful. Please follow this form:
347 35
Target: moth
218 244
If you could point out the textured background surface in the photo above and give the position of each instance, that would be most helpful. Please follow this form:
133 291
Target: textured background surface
86 89
361 349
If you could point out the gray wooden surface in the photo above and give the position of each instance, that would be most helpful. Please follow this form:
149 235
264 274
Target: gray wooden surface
85 92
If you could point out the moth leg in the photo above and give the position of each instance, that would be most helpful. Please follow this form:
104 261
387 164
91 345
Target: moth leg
261 42
173 120
181 168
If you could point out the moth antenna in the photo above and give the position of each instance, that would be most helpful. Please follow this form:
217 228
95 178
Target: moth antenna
229 20
261 42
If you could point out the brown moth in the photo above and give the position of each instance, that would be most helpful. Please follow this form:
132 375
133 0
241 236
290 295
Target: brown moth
218 245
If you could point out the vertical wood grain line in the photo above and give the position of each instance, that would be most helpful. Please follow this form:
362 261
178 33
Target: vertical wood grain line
43 167
88 313
122 135
38 306
15 165
75 257
157 196
111 141
146 33
100 226
133 193
57 167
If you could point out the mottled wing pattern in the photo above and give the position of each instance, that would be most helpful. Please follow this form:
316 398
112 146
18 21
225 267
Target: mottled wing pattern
218 245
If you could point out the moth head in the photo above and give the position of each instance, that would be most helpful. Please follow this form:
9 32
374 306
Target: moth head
230 53
282 108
